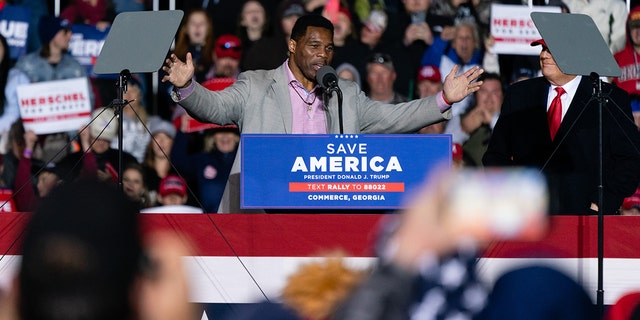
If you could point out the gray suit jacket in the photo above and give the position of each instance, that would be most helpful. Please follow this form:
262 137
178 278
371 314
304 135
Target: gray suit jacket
259 102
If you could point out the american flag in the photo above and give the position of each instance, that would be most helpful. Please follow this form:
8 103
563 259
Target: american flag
245 258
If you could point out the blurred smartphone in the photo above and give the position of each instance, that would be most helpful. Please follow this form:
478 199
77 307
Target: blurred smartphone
501 204
418 17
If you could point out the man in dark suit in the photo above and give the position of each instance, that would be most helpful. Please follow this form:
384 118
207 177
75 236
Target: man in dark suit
569 160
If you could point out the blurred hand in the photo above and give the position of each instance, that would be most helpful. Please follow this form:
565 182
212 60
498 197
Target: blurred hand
422 230
178 73
475 118
448 33
9 301
164 289
104 175
457 88
489 42
30 139
85 138
102 25
418 31
184 122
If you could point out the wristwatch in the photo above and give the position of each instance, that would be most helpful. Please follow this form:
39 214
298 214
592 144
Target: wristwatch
175 93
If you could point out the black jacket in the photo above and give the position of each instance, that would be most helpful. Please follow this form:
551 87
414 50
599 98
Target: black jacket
570 162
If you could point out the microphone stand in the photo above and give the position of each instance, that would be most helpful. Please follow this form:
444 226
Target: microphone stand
327 94
119 105
602 100
339 92
328 80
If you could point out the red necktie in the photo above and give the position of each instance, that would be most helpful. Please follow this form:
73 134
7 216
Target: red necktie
554 117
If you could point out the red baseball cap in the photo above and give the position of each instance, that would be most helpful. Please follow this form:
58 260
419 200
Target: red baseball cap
632 202
429 72
172 184
539 42
228 45
456 151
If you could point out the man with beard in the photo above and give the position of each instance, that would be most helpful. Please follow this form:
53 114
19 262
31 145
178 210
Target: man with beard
288 99
226 58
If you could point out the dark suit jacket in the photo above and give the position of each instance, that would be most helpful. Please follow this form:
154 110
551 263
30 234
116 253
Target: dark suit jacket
570 162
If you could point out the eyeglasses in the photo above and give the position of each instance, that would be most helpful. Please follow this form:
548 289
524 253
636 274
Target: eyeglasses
381 58
230 46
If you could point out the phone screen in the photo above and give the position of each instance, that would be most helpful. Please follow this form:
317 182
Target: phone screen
508 202
418 17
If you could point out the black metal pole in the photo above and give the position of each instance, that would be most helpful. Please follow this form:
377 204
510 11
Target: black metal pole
122 88
600 291
340 109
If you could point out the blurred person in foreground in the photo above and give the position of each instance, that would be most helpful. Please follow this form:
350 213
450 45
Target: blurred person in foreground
83 258
288 99
316 289
313 291
428 252
551 123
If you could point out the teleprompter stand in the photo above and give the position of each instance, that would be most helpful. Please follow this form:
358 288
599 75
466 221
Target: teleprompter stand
137 42
579 49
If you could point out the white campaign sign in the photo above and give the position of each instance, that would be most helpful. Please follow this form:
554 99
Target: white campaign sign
55 106
513 30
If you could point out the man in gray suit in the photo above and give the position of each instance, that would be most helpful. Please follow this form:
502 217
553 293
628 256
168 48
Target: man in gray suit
288 99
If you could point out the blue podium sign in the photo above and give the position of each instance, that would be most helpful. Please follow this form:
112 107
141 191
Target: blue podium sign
348 171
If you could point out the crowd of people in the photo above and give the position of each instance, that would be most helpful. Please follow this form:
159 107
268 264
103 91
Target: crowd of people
393 51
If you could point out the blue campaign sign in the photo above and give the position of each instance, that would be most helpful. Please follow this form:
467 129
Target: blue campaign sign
14 26
86 44
337 171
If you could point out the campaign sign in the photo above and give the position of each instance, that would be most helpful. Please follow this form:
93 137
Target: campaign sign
513 30
86 44
338 170
14 26
6 201
55 106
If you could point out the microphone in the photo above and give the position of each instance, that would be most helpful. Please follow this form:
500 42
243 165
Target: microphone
328 80
327 77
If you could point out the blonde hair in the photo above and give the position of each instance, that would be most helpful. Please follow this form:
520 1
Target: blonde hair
316 289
